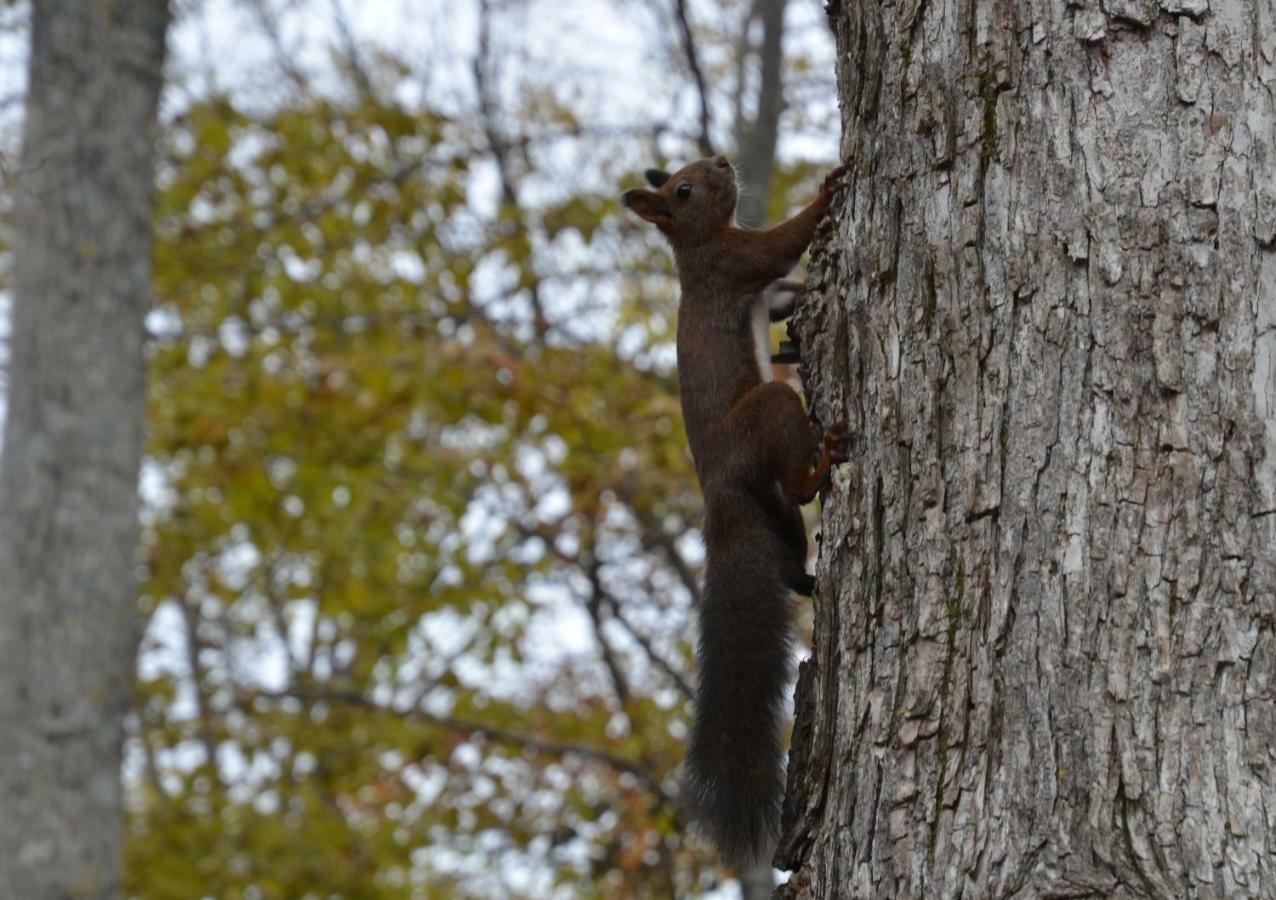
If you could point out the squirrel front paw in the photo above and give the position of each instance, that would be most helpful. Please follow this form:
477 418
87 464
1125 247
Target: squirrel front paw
837 443
834 181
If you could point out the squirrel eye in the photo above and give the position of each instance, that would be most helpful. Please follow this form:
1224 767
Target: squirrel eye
684 191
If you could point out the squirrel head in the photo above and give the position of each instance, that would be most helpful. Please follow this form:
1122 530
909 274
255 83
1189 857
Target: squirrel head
690 206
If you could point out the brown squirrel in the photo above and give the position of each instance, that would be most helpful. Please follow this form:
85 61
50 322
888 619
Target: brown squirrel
758 459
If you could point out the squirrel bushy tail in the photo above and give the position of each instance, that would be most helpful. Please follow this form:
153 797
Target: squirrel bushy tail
735 760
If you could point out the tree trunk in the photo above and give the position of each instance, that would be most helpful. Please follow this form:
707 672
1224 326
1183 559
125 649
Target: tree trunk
757 138
73 442
1044 657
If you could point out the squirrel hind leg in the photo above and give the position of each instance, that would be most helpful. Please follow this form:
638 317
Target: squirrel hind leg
833 450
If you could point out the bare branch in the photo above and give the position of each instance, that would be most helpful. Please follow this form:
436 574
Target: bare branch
202 715
593 605
283 59
600 597
692 55
492 733
655 535
679 681
499 147
350 49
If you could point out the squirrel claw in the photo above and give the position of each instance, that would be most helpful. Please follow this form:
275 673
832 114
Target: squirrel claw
836 443
833 181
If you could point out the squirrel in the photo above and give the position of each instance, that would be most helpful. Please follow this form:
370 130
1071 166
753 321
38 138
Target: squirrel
758 459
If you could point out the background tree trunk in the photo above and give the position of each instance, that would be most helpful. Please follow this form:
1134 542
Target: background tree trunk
73 442
1044 656
757 137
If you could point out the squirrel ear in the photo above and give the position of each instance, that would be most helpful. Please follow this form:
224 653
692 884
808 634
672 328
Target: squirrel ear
656 178
652 207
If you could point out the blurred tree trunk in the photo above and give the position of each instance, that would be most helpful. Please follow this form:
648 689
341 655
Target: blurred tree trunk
757 137
73 441
1044 656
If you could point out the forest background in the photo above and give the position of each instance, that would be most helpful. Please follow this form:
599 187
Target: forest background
419 526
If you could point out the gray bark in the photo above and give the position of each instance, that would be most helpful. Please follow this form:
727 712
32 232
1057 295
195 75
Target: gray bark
73 442
1044 657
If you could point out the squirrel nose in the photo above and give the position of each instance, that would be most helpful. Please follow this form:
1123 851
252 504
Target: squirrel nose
721 162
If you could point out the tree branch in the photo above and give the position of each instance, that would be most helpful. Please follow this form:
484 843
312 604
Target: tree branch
680 682
283 59
692 55
593 605
492 733
602 597
350 48
498 147
202 716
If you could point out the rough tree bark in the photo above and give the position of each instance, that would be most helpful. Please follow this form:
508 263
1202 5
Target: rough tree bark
1044 657
73 442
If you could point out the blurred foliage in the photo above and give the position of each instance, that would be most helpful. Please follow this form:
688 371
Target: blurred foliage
420 548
